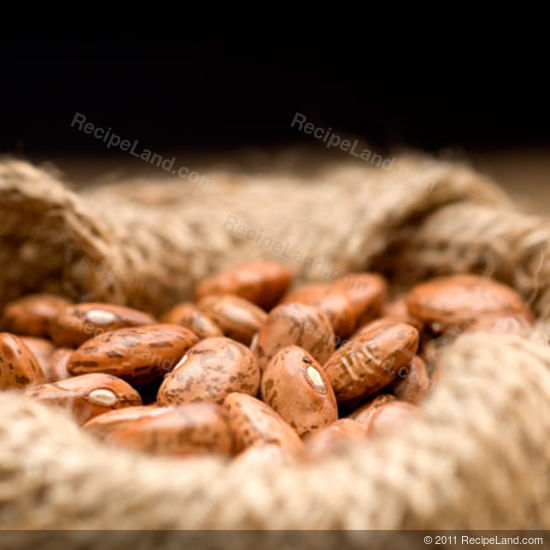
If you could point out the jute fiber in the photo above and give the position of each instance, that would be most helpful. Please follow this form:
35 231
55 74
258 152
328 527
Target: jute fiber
479 457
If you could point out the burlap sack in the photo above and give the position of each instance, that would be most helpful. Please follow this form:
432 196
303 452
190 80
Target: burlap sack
479 457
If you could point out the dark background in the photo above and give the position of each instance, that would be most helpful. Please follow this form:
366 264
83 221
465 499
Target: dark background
178 85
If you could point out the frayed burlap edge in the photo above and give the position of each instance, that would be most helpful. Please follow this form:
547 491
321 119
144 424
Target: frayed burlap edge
146 244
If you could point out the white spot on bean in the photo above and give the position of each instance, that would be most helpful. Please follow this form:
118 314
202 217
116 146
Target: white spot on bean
315 376
100 317
102 397
181 362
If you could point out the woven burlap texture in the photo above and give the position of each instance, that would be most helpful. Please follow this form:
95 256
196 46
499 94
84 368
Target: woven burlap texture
478 458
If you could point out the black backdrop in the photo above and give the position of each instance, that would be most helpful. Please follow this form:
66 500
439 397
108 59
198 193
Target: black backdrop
173 84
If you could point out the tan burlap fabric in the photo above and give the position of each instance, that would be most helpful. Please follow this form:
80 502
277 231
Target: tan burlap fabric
478 459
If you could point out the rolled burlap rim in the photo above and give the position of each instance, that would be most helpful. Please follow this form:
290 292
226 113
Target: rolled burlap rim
478 458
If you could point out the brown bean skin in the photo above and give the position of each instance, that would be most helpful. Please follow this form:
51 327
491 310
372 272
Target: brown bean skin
210 371
501 324
366 364
31 315
367 292
334 439
397 310
295 324
263 455
330 299
450 301
191 429
18 365
373 327
363 413
42 349
253 421
433 345
412 383
139 355
389 417
87 396
190 316
78 323
296 387
103 425
57 367
238 318
261 282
